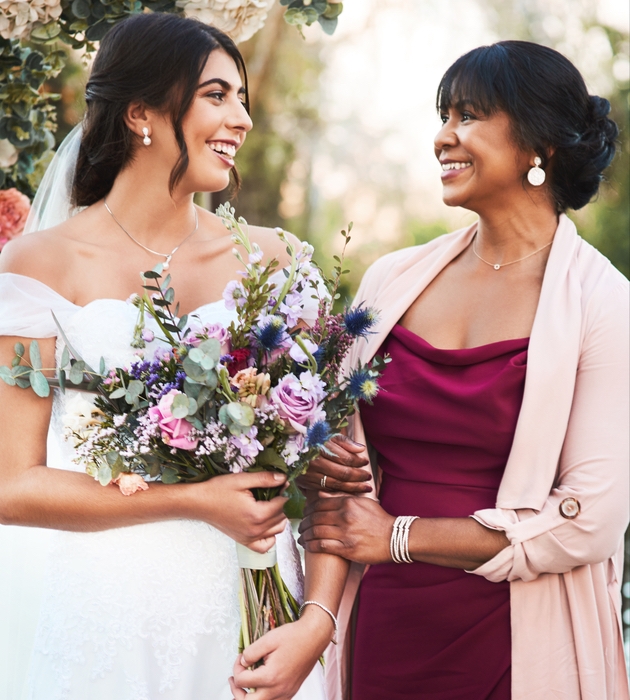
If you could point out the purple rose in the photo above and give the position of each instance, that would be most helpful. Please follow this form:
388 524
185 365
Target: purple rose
298 400
214 330
175 431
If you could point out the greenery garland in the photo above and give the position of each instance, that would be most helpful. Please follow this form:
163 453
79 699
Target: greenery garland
34 49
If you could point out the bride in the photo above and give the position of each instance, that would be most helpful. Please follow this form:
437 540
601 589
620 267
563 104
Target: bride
139 598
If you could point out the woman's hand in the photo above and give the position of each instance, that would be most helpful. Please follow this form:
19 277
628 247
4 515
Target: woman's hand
357 529
227 503
289 653
342 468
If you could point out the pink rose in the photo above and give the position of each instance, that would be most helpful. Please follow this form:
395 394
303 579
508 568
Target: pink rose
297 401
14 209
214 330
130 483
175 431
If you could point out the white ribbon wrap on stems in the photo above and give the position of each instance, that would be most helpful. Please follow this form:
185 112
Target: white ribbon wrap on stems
248 559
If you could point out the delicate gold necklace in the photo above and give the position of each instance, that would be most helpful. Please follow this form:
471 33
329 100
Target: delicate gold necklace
496 266
168 256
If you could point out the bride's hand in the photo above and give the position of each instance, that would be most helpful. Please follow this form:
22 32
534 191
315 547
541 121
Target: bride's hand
289 653
227 503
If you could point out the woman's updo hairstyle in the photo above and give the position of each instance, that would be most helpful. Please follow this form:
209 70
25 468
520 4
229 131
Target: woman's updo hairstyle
548 103
156 59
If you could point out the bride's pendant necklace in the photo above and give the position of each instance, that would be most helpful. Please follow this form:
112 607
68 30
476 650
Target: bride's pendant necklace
496 266
167 256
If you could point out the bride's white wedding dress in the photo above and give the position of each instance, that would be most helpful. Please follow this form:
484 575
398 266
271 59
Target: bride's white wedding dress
148 612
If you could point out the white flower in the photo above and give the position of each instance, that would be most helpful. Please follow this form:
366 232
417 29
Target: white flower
17 19
241 19
81 417
8 152
298 354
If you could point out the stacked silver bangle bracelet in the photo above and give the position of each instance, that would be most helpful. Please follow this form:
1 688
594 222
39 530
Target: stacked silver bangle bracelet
399 544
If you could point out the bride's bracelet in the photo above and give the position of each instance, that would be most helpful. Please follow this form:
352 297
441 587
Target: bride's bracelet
399 543
325 609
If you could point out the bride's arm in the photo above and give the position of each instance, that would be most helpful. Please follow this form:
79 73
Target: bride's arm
290 652
32 494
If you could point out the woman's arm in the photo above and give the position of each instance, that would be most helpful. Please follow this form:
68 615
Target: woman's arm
360 530
290 652
34 495
521 544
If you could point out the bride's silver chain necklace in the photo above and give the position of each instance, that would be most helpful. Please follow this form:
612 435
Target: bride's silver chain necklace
498 266
167 256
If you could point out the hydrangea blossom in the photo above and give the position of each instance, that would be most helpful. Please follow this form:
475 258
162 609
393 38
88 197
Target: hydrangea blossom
240 19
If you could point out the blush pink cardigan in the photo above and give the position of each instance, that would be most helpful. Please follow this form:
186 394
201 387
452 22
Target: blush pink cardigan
571 440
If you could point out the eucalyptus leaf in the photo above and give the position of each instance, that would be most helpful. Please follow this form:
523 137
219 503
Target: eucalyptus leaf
211 347
35 355
170 295
5 375
196 355
23 382
192 389
193 370
76 372
102 367
118 393
19 349
170 476
135 388
40 384
179 407
104 474
61 376
208 362
65 357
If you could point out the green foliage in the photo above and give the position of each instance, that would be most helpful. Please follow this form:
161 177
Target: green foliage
26 115
307 12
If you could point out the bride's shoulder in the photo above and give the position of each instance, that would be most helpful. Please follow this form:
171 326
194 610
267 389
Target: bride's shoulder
271 244
44 255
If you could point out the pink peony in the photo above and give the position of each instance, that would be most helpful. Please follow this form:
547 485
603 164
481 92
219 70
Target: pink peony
130 483
175 431
297 401
14 209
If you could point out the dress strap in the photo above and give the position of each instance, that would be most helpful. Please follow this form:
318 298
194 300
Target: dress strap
27 306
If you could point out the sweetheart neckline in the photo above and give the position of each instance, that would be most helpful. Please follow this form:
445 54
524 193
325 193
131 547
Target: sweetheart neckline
100 299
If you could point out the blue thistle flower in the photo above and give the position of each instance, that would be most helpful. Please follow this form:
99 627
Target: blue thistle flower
359 321
271 333
318 434
362 386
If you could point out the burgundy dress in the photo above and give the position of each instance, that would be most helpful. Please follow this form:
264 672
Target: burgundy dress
443 426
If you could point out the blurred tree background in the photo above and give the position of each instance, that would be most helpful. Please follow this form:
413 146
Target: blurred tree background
322 151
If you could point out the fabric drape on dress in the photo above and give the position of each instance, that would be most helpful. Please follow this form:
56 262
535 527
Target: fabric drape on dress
571 440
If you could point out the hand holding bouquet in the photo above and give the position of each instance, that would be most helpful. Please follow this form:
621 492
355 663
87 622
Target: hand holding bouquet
197 401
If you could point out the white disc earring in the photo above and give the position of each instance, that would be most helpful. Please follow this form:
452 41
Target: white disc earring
147 140
536 175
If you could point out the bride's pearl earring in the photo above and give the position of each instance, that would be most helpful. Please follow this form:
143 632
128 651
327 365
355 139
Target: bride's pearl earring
536 175
147 140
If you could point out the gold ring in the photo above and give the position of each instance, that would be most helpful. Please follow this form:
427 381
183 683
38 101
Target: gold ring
323 481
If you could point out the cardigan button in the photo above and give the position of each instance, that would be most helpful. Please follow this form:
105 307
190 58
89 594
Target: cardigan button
570 508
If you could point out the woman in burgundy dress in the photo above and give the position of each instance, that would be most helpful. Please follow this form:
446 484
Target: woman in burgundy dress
498 432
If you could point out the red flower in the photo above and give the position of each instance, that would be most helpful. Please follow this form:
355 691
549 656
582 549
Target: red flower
240 356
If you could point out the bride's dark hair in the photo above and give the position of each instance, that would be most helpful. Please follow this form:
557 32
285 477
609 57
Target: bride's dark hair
157 60
548 103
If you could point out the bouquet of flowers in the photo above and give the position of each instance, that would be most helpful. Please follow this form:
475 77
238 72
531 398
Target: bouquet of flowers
264 393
